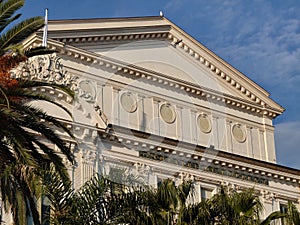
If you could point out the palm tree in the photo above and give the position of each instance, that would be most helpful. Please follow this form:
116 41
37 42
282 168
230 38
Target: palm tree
22 149
160 206
293 215
237 207
228 208
99 201
231 207
194 214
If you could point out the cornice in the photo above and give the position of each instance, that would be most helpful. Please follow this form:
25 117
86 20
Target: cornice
232 158
267 171
172 171
108 34
97 20
255 107
83 24
138 26
150 143
213 157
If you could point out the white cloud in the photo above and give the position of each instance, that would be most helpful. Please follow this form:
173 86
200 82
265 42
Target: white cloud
262 40
275 50
259 38
287 136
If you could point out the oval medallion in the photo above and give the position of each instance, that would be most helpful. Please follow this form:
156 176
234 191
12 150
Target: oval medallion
239 133
128 102
204 123
167 112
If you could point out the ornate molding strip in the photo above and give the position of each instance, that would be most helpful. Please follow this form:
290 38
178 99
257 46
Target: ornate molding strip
162 79
216 165
173 39
172 171
119 37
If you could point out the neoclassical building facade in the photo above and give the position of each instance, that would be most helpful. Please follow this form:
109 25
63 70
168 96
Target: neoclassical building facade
152 100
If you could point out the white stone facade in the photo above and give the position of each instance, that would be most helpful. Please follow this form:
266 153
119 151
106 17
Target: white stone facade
152 99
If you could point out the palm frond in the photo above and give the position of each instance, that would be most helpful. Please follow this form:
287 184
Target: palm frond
273 216
9 21
41 115
60 194
293 215
35 96
15 135
25 186
184 189
3 94
167 195
7 9
15 185
19 32
55 159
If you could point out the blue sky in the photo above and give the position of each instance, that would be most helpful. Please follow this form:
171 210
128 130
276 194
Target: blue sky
261 38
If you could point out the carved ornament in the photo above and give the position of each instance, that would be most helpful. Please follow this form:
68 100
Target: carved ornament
46 68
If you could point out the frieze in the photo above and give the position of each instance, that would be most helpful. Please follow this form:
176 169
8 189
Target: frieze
141 168
211 168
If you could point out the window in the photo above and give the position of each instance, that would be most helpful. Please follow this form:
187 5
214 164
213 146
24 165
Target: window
283 209
45 211
159 181
205 193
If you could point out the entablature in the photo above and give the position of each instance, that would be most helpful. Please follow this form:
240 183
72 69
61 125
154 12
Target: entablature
174 171
252 106
157 149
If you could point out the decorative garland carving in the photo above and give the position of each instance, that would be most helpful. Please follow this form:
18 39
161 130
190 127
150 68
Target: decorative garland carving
46 68
86 90
89 155
268 196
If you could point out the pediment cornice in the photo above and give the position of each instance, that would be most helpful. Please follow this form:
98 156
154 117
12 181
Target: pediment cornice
154 27
251 105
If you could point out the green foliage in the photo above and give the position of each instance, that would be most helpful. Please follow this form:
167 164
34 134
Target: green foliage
273 216
101 201
98 201
293 215
22 148
26 132
7 11
11 38
237 207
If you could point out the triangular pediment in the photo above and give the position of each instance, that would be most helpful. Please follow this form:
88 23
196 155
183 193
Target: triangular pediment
158 49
